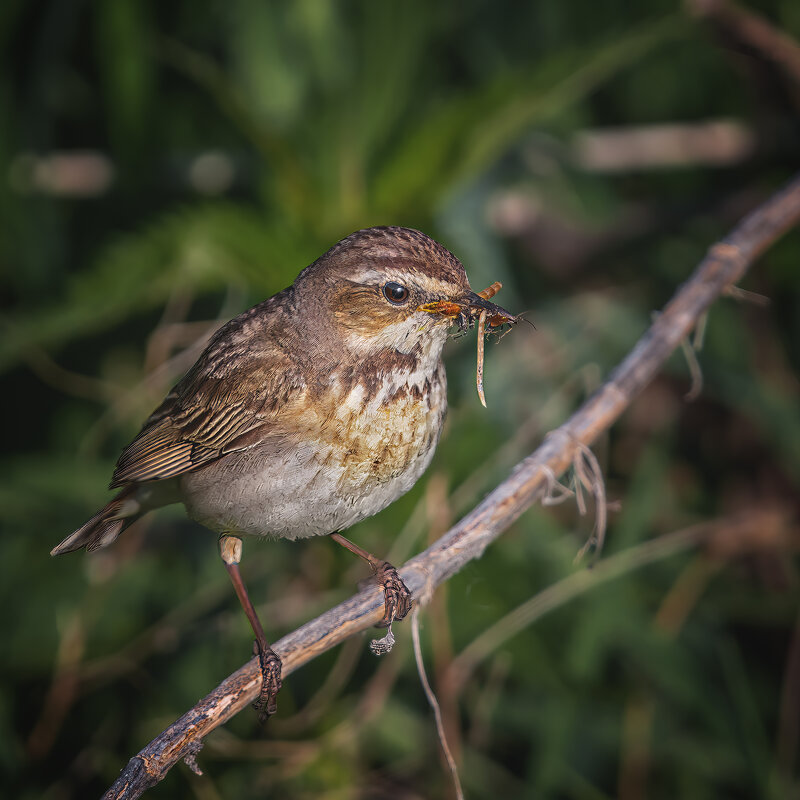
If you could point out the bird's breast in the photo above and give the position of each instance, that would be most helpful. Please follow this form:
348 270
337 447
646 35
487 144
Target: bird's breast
379 433
351 450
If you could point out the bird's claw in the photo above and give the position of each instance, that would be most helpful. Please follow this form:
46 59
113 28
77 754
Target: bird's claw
397 595
267 703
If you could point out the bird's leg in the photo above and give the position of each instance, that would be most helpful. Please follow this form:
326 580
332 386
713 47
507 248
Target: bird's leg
230 548
397 597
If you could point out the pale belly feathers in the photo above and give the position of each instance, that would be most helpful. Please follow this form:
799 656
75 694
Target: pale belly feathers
354 459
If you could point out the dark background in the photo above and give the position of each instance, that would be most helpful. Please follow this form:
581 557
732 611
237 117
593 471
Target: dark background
166 165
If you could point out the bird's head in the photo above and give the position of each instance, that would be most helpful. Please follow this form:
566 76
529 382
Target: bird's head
392 287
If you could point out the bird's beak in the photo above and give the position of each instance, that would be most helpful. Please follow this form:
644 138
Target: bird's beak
465 310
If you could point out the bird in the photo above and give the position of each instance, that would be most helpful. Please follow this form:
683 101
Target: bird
309 412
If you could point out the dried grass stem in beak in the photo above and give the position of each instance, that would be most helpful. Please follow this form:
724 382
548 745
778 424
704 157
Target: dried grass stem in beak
479 369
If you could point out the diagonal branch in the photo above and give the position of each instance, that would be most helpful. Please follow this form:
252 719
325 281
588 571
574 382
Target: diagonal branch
725 264
747 28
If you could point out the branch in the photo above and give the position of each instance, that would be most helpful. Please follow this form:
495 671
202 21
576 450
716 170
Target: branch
750 29
531 479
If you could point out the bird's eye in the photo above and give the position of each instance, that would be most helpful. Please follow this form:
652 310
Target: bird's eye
395 293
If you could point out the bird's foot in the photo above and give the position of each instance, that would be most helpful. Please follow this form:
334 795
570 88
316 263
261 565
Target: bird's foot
267 704
396 594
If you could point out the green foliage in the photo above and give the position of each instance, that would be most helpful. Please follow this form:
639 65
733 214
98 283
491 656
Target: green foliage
245 139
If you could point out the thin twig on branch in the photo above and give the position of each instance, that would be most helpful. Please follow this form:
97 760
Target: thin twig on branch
725 264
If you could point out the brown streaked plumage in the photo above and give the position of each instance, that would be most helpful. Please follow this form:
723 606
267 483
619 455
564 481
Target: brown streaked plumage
307 413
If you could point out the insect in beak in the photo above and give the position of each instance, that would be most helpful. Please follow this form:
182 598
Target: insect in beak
466 311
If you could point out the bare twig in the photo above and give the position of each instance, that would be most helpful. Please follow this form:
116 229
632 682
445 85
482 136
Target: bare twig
724 265
434 704
718 142
589 476
479 368
744 26
695 371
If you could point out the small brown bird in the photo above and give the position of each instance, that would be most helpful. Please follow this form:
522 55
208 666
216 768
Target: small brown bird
311 411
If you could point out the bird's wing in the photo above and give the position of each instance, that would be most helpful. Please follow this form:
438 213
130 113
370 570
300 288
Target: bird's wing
238 390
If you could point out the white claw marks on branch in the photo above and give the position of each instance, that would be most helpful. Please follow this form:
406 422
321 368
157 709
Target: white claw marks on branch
723 267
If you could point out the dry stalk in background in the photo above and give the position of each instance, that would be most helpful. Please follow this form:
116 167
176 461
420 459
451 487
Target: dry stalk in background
752 30
530 480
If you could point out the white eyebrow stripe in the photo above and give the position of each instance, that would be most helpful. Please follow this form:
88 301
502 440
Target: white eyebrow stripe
370 276
377 277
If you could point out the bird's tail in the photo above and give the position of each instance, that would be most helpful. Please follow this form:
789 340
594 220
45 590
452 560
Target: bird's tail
104 527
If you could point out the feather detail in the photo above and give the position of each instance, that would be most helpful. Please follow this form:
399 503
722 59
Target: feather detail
105 526
240 389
